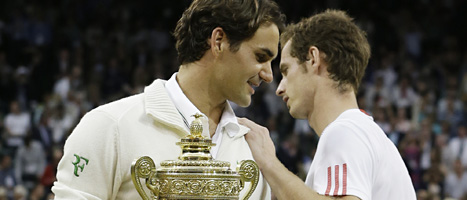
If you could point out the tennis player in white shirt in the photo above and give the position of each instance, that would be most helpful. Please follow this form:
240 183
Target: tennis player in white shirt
323 61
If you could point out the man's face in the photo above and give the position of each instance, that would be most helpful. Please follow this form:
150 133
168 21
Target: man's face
241 71
462 131
14 107
296 86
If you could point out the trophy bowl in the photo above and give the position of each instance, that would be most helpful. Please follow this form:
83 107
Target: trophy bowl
195 175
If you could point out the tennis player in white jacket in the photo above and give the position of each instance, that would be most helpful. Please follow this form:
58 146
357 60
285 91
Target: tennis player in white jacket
225 49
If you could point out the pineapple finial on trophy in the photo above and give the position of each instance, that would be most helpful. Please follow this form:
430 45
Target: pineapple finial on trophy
196 127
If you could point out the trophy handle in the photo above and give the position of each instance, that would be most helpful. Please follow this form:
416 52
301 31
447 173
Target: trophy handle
143 167
249 172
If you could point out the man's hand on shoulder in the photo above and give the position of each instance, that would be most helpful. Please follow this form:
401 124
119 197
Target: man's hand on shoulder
259 141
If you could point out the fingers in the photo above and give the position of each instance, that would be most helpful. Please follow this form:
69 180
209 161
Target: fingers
245 122
248 123
255 129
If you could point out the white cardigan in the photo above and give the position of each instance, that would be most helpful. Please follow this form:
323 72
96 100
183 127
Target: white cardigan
98 154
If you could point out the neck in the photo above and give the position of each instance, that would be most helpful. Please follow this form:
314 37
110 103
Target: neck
195 81
328 105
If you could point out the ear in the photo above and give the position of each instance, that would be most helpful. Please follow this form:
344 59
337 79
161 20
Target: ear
217 37
315 60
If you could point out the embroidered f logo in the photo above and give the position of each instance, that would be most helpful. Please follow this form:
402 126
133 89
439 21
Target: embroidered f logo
77 161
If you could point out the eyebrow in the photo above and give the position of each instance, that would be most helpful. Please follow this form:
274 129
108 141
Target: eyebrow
268 52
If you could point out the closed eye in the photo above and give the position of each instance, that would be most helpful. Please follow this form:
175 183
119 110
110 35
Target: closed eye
261 58
284 68
264 55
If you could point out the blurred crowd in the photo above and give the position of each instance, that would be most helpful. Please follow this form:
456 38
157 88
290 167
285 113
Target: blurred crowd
58 60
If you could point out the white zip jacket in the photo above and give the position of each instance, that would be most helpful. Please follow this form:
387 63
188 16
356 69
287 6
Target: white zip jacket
98 154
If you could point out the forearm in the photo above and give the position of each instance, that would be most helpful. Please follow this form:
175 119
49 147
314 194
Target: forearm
286 185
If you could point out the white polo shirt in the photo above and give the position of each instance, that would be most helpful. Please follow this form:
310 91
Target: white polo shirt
227 124
355 157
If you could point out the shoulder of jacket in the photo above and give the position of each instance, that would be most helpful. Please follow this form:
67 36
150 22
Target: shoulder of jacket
117 109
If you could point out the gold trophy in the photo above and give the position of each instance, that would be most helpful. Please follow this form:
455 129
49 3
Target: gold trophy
195 175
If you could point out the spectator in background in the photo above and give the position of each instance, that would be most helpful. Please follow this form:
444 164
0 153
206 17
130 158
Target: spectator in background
37 193
76 80
458 146
411 152
17 125
394 135
456 181
40 30
62 86
42 132
442 150
434 176
403 95
272 101
63 62
21 86
61 121
413 39
20 193
3 193
386 71
30 162
423 109
382 119
377 94
8 178
450 108
403 124
288 152
447 129
48 177
425 136
259 109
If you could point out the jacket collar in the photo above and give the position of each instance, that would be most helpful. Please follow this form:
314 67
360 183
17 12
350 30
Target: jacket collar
159 105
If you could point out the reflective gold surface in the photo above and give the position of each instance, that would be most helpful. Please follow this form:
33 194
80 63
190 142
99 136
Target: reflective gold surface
195 175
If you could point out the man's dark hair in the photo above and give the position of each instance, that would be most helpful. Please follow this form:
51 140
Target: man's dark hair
238 18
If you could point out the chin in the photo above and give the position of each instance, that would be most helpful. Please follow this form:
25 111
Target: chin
244 102
297 115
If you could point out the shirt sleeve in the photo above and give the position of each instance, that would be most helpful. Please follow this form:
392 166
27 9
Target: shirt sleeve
89 164
344 166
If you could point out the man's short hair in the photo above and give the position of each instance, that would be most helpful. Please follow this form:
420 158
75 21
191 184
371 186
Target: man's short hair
239 20
344 44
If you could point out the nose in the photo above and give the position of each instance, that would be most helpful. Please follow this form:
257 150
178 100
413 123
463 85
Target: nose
266 73
281 88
